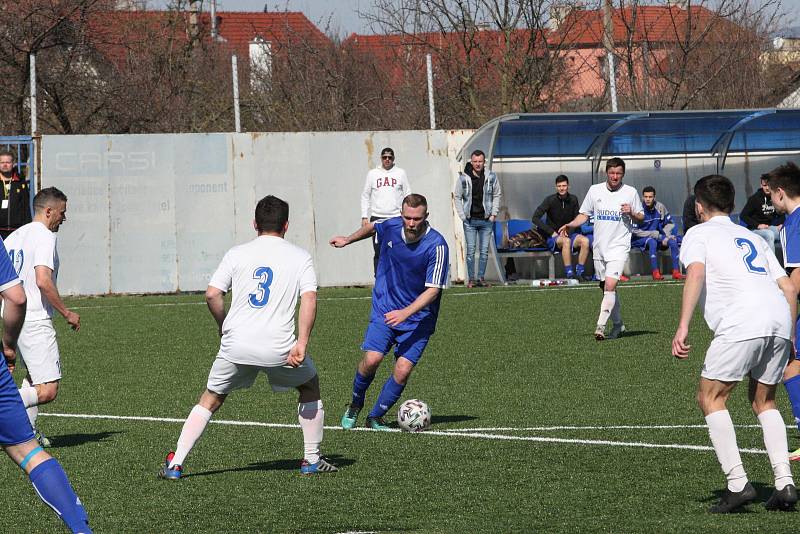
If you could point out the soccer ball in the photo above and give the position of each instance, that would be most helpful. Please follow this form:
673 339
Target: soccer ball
414 416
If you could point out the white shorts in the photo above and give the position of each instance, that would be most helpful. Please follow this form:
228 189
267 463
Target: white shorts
763 358
226 376
38 351
608 269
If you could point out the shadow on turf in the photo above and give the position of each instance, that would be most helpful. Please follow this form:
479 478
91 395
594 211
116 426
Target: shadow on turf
438 419
763 492
73 440
274 465
634 333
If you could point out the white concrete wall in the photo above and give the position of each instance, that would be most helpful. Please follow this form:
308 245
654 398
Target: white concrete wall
155 213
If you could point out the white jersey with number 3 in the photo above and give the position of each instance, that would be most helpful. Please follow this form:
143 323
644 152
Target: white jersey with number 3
267 275
30 246
612 230
741 298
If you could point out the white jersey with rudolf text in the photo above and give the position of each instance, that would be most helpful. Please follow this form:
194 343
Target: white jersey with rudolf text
30 246
741 298
612 230
384 192
267 275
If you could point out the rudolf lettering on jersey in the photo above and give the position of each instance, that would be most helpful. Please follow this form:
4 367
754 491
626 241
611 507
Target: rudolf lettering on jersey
386 181
608 215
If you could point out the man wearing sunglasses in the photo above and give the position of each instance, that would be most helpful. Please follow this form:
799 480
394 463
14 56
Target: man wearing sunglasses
384 190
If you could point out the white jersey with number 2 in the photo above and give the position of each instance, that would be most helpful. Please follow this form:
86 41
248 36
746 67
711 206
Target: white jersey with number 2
29 246
267 276
612 230
741 298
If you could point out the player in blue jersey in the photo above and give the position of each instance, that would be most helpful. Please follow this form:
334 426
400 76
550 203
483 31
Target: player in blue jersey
657 232
412 271
784 185
16 432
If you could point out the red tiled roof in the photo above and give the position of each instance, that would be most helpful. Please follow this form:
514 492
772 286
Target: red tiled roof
654 24
114 30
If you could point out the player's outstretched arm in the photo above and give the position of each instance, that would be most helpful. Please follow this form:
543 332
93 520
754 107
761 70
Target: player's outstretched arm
695 278
215 299
367 230
306 318
574 223
44 280
14 305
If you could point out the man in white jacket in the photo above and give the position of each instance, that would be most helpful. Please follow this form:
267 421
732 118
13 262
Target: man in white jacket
384 190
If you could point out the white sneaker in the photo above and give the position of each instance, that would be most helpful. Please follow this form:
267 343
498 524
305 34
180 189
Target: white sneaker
600 332
616 331
42 439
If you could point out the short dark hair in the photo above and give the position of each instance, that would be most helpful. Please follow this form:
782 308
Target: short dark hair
615 162
387 150
562 178
415 200
271 214
715 191
649 189
47 196
786 177
477 153
765 177
5 152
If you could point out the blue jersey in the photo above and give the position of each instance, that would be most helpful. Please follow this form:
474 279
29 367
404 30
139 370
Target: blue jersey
406 270
654 219
790 240
8 274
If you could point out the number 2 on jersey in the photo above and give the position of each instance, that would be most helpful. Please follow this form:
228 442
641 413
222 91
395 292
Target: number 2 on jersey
16 257
750 255
260 298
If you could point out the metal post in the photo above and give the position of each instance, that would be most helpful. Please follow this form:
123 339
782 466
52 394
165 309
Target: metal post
33 94
236 94
608 41
431 108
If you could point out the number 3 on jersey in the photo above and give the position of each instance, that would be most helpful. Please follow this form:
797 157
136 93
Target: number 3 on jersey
260 298
750 255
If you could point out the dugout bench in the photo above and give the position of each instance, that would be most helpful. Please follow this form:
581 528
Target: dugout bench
511 227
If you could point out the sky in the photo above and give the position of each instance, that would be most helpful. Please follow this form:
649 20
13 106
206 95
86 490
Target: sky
343 14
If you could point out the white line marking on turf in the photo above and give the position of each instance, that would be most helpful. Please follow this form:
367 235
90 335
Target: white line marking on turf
469 434
609 427
500 291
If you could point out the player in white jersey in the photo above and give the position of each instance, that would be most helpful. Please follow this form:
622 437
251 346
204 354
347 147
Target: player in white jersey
33 252
382 197
749 303
613 206
266 275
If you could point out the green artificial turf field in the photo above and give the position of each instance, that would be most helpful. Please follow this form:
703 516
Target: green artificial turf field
536 426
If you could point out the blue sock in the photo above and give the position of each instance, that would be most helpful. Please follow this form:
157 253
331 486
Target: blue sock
793 389
579 269
651 248
389 394
52 485
675 251
360 385
568 271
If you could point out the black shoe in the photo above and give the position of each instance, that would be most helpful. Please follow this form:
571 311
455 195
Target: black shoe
730 501
784 499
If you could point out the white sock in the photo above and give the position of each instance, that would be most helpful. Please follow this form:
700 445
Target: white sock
608 303
31 400
616 314
192 430
723 437
311 417
775 441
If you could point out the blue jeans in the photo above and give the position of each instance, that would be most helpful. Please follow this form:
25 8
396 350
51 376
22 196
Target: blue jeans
769 234
480 231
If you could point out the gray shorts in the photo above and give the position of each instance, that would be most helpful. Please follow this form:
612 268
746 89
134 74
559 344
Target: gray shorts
226 376
763 358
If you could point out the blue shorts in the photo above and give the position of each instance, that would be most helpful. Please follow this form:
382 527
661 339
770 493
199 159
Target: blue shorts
409 344
551 242
15 427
